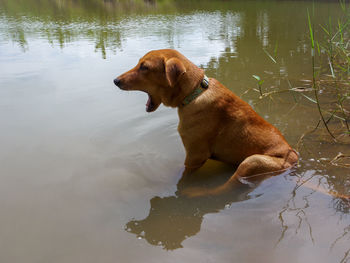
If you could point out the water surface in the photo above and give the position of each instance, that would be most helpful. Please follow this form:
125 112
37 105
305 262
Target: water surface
88 176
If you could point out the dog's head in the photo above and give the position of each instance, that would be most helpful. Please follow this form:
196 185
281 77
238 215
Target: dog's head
165 75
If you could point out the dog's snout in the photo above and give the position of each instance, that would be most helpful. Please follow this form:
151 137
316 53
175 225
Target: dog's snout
117 82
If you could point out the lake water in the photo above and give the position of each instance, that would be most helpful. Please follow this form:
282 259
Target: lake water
88 176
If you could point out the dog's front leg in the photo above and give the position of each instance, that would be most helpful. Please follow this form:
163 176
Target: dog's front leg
196 156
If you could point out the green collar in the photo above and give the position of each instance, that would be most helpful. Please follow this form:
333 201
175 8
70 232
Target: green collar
197 91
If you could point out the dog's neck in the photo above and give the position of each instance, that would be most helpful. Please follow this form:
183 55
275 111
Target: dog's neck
188 84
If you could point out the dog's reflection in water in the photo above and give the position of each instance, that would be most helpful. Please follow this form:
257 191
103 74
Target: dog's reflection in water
173 219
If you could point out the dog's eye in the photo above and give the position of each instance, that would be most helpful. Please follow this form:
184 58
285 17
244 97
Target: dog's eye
143 67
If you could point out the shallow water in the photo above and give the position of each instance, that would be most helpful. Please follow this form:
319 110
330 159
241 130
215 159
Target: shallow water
88 176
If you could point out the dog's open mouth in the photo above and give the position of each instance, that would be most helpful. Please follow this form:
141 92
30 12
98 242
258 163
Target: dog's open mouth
150 106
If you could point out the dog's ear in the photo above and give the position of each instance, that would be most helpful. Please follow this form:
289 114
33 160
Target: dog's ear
174 69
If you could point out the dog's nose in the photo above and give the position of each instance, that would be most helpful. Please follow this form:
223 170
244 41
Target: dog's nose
117 82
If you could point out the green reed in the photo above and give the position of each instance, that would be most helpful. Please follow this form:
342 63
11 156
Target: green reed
314 83
333 54
330 64
336 46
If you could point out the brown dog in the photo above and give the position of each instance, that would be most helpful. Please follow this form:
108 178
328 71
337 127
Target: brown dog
214 122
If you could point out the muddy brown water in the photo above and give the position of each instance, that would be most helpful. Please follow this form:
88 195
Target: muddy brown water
88 176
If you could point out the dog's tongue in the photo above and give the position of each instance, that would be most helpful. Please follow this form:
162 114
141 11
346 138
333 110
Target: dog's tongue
149 104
